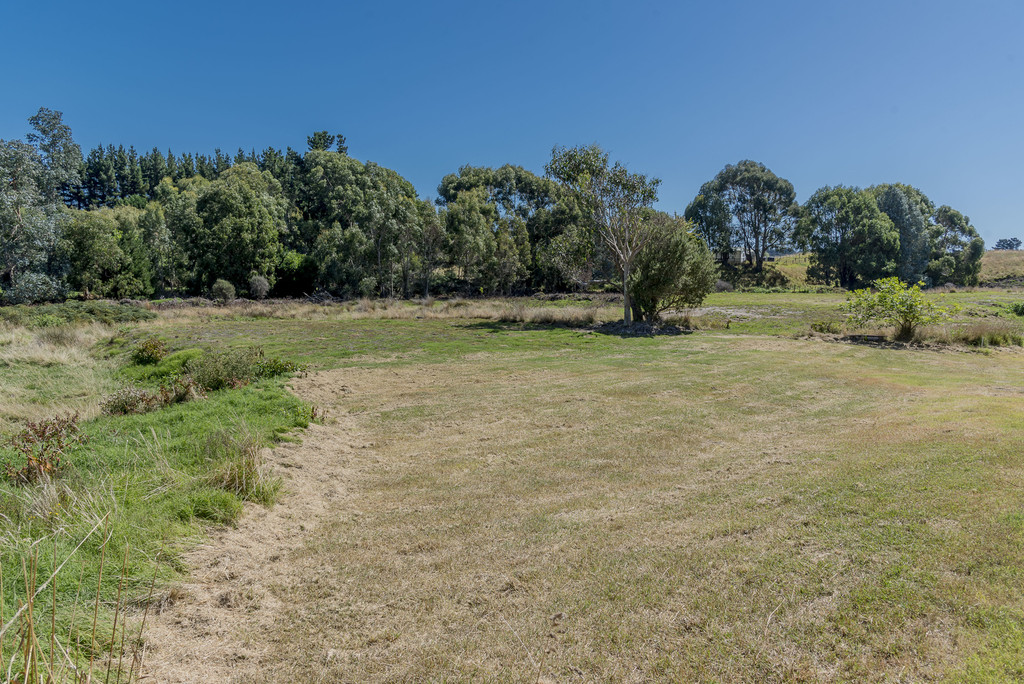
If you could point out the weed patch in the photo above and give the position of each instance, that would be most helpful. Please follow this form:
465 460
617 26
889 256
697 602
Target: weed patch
42 446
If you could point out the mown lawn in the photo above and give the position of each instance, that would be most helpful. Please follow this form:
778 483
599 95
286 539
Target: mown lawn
741 503
729 505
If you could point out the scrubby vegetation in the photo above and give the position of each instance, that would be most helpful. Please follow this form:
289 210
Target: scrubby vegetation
106 498
890 302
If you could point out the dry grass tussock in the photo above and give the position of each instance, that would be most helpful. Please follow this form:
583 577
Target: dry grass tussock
63 345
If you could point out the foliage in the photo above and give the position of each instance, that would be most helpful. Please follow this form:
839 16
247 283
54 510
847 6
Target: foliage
956 249
675 270
234 229
1017 308
906 208
258 287
1008 243
223 291
150 350
42 445
33 176
748 208
516 197
851 241
614 203
893 303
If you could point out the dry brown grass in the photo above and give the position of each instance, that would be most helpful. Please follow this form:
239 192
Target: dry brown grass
720 508
44 370
515 310
999 264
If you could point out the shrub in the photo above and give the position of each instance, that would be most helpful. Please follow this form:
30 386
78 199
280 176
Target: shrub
724 286
827 327
129 400
149 351
179 390
674 270
893 303
258 287
223 291
43 445
1017 308
235 367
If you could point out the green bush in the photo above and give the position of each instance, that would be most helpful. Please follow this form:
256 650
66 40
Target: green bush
258 287
150 351
674 270
223 291
827 327
234 368
893 303
1017 308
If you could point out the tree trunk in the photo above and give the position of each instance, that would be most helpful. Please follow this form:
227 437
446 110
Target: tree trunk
626 307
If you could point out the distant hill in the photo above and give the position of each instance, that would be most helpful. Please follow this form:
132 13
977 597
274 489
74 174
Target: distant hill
1003 268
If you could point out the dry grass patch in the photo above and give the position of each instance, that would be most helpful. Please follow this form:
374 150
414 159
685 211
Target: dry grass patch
50 369
701 510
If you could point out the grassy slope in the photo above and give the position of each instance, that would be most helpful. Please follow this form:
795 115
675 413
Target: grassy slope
722 506
1003 265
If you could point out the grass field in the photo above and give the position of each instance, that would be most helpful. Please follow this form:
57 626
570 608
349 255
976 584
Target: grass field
748 502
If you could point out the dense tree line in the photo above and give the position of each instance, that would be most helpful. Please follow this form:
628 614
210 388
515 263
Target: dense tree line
117 223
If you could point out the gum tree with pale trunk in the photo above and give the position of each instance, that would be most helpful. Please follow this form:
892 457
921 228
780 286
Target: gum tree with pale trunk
615 203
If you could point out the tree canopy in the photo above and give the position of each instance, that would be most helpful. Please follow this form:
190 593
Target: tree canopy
748 208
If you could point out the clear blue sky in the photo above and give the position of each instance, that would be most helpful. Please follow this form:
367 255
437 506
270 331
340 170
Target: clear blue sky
856 93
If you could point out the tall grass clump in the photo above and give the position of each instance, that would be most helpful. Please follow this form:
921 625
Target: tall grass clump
240 467
59 336
982 333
